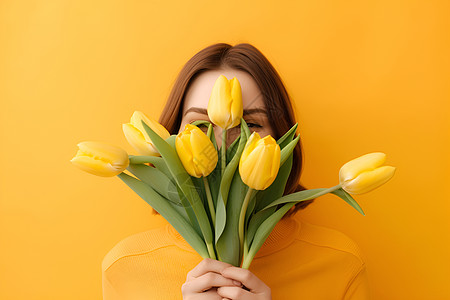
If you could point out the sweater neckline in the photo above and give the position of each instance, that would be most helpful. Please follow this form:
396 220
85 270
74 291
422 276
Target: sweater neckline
284 233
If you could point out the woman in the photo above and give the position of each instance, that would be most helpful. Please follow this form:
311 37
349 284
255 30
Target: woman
297 261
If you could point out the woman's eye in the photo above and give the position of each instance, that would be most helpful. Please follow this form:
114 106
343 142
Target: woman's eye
253 125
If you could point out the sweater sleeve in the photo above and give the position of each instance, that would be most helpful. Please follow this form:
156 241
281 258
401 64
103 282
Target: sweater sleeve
109 293
359 286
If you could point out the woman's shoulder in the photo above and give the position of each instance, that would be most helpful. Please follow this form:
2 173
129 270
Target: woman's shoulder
322 237
136 244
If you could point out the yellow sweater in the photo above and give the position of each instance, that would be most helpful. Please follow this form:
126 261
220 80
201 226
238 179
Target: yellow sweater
297 261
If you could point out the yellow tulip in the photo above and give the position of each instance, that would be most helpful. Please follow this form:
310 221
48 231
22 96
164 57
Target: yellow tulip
365 173
259 161
100 159
138 137
225 104
196 151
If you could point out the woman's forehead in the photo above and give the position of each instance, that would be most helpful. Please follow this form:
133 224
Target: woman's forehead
200 89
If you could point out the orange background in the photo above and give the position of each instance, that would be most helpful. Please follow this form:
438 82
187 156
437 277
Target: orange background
365 76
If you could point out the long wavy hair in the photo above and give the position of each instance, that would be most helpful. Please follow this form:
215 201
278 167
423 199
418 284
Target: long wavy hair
244 57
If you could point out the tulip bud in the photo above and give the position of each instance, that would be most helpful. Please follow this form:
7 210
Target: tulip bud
196 151
260 161
225 104
138 137
365 173
101 159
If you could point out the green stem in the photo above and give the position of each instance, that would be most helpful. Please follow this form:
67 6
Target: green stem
210 201
224 150
331 189
245 245
247 261
141 159
212 253
242 216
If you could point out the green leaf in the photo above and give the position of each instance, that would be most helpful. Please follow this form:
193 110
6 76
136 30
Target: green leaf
349 199
256 220
250 208
263 232
228 245
167 212
171 141
297 197
161 184
199 123
200 187
245 127
214 182
231 151
287 137
211 135
287 150
182 179
157 161
276 189
164 186
271 217
225 185
157 180
189 211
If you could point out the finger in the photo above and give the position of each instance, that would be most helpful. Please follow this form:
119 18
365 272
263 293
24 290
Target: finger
213 295
205 266
209 295
247 278
234 293
206 282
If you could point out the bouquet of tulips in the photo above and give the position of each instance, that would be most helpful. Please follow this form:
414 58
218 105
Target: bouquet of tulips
224 202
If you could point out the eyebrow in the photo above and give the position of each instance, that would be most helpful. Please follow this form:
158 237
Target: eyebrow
246 111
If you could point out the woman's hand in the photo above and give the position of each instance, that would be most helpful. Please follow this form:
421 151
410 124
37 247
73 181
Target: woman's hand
203 280
253 289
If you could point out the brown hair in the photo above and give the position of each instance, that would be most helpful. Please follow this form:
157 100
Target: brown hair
244 57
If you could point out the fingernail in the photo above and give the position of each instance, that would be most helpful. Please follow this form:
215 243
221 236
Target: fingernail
237 283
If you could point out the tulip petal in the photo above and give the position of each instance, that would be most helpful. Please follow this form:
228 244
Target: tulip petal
236 103
137 140
104 151
101 159
368 162
276 189
369 180
196 151
260 162
204 152
255 166
276 156
96 166
219 104
139 116
184 151
266 168
250 145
